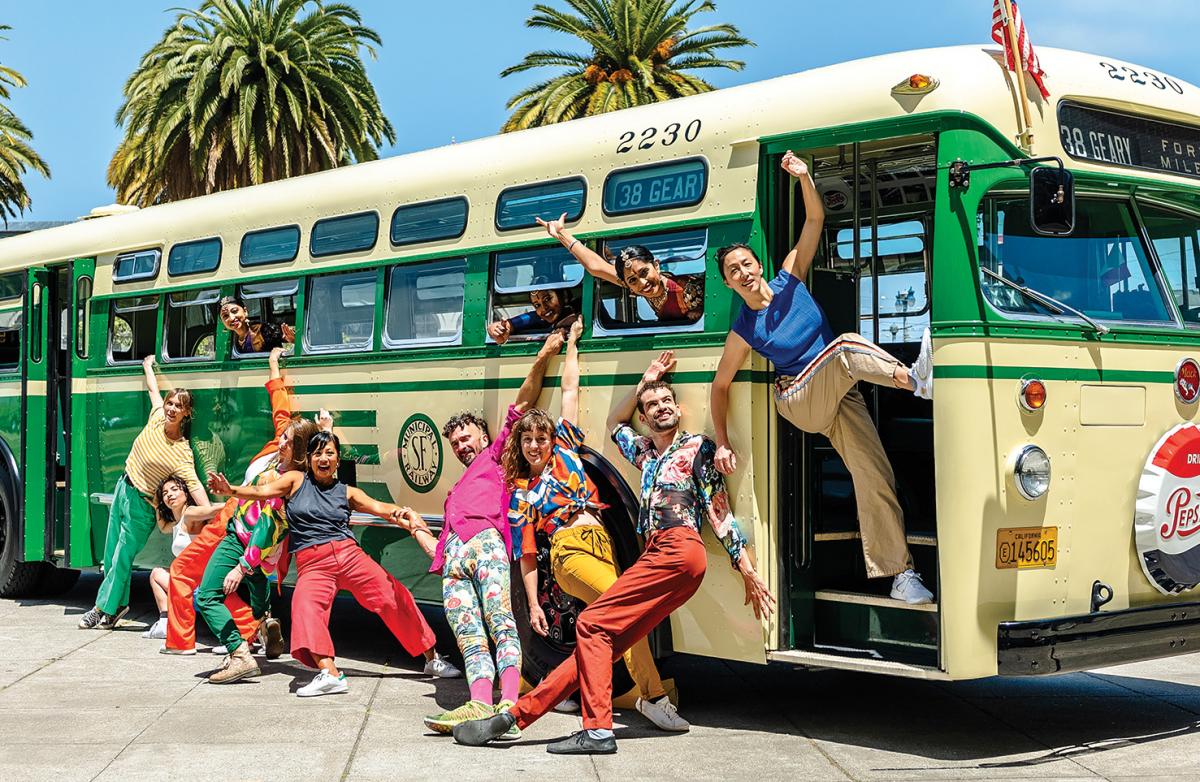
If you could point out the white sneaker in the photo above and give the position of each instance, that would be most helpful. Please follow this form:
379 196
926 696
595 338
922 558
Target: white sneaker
441 668
324 684
921 371
164 649
663 714
907 586
567 706
157 630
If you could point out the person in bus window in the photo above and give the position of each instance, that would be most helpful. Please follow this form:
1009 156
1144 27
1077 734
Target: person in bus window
680 490
636 269
552 494
473 552
253 336
160 450
553 309
188 569
816 374
328 559
181 518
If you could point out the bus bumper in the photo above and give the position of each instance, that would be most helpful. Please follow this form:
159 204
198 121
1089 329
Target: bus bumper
1076 643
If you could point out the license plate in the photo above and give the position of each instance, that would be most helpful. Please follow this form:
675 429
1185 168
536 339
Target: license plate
1026 547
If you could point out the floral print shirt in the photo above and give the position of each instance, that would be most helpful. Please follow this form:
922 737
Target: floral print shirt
260 525
680 485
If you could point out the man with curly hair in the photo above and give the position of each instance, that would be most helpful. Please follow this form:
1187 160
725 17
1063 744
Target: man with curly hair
473 554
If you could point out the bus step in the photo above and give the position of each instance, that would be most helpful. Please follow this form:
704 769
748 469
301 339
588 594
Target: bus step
853 663
861 598
913 540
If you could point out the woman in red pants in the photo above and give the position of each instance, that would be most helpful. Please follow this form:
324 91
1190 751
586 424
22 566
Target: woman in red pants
329 559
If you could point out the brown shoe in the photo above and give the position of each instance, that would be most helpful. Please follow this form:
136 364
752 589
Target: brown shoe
241 664
271 636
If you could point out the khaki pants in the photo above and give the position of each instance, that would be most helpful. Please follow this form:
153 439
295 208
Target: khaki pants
583 565
823 399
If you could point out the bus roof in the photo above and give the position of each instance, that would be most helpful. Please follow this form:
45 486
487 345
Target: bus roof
731 121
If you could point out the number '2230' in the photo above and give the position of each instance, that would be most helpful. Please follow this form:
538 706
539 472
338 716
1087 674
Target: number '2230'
651 136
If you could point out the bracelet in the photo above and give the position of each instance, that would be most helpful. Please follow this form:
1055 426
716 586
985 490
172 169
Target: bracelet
572 244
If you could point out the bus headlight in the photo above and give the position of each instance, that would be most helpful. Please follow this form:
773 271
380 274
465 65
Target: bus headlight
1031 472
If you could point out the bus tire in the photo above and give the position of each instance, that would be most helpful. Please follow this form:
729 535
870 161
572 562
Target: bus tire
54 581
17 578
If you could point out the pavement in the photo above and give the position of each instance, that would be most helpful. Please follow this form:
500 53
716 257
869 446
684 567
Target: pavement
91 705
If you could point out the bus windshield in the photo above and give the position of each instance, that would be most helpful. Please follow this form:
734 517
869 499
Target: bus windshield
1101 269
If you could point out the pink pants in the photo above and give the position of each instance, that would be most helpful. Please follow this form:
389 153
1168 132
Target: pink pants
325 569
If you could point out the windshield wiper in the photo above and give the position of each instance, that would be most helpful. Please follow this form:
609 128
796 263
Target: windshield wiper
1050 303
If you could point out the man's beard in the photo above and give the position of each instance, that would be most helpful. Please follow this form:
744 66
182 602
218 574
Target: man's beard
664 426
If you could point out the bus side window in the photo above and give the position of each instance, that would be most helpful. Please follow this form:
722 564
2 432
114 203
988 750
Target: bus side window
425 304
1176 239
271 304
131 329
340 314
681 258
903 279
12 317
191 325
536 288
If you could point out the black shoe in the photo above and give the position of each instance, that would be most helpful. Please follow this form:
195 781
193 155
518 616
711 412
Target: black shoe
582 743
476 733
271 637
109 621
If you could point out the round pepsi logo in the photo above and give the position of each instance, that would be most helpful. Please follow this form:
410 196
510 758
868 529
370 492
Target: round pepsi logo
1166 520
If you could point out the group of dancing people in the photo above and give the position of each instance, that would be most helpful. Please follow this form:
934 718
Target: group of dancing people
525 488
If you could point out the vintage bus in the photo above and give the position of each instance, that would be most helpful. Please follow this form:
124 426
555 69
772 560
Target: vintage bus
1046 486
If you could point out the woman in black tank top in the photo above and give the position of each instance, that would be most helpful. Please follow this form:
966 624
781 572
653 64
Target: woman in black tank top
329 559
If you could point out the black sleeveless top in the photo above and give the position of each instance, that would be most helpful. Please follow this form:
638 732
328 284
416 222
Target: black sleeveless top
318 515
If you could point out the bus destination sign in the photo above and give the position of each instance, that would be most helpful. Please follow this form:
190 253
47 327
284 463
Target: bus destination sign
1125 140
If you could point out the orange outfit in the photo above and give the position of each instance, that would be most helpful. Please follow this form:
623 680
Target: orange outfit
188 568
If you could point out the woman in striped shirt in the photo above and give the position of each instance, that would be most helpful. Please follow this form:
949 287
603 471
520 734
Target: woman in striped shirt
160 451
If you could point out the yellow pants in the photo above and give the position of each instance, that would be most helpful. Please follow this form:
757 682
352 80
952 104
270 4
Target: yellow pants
583 566
823 398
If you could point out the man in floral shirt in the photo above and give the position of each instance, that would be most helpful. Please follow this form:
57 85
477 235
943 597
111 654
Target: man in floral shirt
679 486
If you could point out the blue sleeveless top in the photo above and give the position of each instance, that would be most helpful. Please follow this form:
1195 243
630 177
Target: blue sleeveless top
790 331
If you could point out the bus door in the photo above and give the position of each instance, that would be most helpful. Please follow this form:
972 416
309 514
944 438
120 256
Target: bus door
78 538
871 276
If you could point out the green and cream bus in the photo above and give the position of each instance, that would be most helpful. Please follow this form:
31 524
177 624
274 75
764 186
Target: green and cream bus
1046 487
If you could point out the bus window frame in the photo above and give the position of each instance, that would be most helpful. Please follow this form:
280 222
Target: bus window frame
707 167
157 251
696 327
405 344
538 334
190 242
239 291
258 231
166 322
435 202
1166 206
15 304
369 347
112 316
571 220
313 229
995 314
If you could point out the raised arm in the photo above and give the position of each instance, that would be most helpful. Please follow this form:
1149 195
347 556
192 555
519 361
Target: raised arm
592 262
280 488
732 358
359 500
196 516
800 259
626 406
531 389
156 400
570 375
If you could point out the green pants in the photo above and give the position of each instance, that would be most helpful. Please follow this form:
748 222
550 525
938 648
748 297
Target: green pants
210 597
130 522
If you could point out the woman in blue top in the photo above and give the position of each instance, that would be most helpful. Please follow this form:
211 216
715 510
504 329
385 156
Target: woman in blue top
815 383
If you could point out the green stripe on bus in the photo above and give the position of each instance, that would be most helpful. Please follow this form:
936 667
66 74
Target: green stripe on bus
1069 374
362 454
377 491
499 383
363 418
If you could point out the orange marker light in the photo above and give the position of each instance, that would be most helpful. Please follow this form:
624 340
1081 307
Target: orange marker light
917 84
919 81
1033 395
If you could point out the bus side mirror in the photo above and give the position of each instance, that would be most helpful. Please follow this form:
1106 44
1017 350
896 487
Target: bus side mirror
1052 201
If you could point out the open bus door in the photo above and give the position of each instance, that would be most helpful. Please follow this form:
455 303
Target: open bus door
37 455
78 536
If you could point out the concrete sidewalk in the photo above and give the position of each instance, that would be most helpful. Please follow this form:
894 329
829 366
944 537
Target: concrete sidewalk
82 705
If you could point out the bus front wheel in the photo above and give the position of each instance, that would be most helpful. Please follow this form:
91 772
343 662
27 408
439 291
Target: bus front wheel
17 579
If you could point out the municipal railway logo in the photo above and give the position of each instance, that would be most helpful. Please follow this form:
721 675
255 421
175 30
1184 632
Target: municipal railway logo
420 452
1166 521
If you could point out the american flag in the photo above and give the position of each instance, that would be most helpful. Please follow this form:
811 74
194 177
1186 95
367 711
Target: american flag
1028 55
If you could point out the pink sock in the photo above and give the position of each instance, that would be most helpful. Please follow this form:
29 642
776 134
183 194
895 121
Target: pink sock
510 684
481 690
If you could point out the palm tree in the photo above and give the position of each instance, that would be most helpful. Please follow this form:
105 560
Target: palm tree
16 156
640 52
241 92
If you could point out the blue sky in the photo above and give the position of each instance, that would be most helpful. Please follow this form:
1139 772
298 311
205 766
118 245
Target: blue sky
438 70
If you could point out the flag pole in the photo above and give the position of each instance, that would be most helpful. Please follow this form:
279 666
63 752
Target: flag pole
1025 137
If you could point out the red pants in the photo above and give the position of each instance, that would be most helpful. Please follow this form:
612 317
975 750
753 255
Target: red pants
328 567
186 572
665 577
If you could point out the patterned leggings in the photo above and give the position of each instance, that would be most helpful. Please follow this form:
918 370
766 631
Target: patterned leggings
475 590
